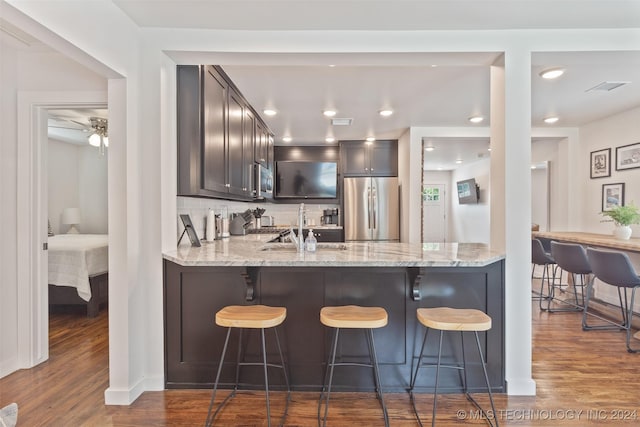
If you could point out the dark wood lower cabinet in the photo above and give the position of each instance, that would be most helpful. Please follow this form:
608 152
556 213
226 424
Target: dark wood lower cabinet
193 343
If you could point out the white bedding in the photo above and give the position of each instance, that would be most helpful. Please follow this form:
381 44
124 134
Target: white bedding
73 258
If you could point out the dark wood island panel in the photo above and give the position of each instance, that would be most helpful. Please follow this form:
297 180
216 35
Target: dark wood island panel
193 343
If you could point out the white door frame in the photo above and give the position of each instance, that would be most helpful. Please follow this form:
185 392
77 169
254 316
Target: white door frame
31 209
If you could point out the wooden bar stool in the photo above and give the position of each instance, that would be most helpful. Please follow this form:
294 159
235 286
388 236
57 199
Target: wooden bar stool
352 317
250 317
452 319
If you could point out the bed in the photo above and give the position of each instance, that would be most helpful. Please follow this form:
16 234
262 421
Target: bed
78 271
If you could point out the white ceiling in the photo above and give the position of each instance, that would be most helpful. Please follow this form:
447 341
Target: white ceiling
300 86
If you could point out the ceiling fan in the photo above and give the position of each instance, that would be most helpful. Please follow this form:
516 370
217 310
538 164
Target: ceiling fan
94 129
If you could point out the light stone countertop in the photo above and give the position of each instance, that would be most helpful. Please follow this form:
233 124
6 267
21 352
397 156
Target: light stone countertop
245 251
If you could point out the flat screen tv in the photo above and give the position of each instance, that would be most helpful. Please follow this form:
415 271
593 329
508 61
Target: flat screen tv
468 191
308 180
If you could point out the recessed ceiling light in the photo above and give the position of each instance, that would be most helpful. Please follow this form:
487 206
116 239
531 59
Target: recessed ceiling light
370 139
458 161
440 169
332 65
286 139
429 149
551 73
489 149
476 119
330 139
385 113
434 65
269 112
329 113
551 120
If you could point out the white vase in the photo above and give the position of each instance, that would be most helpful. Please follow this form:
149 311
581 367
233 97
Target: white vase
622 232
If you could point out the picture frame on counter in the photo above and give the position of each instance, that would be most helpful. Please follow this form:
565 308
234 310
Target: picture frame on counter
612 196
601 163
628 156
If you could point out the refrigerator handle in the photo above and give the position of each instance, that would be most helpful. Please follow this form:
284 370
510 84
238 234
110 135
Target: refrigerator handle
369 207
374 201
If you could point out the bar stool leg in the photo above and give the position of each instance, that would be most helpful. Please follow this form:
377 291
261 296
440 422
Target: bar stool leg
327 385
211 417
415 376
286 377
266 377
435 390
486 379
376 376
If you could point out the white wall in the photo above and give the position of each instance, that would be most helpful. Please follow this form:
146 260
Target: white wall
77 178
8 214
471 222
611 132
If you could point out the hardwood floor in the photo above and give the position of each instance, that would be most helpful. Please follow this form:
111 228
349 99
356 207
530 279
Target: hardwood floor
582 378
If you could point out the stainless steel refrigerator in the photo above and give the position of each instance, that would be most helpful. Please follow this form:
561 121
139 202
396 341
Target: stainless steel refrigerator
371 209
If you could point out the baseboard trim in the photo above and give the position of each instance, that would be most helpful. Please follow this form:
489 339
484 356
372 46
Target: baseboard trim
127 396
123 396
521 387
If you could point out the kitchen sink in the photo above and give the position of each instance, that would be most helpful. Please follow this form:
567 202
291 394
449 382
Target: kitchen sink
289 247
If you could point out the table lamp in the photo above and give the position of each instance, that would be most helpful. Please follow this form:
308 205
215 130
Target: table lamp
71 217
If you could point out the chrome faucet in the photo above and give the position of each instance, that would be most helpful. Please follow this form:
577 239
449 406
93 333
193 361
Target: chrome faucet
299 240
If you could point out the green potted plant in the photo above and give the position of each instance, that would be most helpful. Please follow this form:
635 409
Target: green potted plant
623 217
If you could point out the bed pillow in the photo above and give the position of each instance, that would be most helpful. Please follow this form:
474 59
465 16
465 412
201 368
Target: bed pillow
49 230
9 415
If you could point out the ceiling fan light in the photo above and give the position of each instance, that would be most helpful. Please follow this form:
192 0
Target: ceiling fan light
94 140
551 73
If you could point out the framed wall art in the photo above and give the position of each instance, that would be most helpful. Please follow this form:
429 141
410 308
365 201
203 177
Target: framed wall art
612 195
628 156
601 163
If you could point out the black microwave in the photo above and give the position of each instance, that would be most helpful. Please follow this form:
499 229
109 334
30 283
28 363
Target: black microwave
264 182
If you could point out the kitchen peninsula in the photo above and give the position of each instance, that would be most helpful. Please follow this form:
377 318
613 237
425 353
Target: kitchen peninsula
400 277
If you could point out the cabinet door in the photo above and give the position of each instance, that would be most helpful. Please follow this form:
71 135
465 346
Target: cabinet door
235 131
326 235
248 142
270 163
193 341
355 159
214 172
261 143
383 158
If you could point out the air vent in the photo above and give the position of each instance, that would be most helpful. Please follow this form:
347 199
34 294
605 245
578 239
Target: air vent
341 122
607 86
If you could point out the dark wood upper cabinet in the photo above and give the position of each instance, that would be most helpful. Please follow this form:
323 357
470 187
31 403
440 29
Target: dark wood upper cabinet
214 167
379 158
219 136
235 132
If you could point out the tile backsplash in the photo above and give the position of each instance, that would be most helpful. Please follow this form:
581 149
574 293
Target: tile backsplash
283 214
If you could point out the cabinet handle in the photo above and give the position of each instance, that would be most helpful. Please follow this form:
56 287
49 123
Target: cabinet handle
372 169
366 169
227 185
244 188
